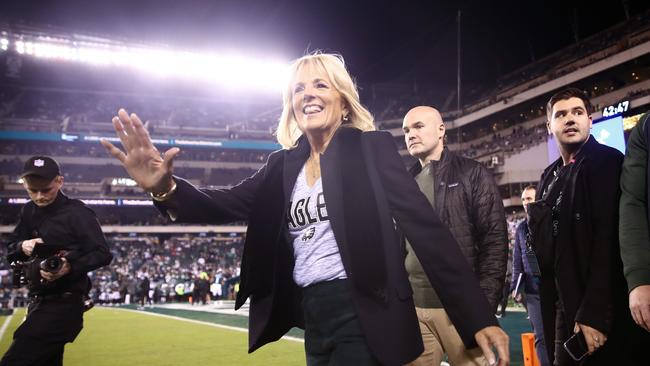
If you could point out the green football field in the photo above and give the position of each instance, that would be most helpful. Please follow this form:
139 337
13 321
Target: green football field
114 337
159 337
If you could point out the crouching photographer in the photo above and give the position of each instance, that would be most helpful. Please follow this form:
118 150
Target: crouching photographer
57 241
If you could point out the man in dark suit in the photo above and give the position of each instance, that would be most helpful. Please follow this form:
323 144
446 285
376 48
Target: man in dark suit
582 288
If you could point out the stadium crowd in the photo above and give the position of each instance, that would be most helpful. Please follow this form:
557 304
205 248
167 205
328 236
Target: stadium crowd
159 270
83 111
95 150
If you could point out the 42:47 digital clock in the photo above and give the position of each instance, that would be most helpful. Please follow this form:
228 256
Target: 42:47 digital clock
615 109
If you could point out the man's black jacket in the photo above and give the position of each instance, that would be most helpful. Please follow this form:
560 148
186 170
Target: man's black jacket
467 200
68 223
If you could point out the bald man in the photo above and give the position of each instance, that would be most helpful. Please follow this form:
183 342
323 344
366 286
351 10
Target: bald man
465 196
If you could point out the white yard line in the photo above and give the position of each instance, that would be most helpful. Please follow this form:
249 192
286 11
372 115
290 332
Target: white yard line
5 325
200 322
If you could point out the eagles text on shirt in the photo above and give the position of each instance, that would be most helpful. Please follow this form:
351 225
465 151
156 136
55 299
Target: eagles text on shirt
299 215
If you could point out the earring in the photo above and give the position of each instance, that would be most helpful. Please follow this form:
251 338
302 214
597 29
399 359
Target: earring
346 117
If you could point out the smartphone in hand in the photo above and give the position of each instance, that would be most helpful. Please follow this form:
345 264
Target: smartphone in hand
576 346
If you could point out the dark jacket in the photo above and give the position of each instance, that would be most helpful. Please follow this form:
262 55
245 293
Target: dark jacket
634 227
73 226
467 200
520 263
365 186
588 275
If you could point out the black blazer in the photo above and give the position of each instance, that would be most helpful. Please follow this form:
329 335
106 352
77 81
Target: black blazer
366 186
588 272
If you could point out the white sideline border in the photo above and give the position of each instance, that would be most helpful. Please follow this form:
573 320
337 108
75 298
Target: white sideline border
228 327
5 325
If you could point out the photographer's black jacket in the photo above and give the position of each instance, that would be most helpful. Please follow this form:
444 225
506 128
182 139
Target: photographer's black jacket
70 224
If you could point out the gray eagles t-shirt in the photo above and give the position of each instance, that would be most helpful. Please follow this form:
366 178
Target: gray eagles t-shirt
316 254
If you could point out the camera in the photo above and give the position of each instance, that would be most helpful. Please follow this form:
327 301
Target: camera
88 303
18 278
26 273
51 264
46 257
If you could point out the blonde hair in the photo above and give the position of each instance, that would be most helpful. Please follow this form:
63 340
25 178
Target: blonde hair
288 132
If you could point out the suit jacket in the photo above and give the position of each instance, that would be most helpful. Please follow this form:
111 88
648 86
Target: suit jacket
588 274
366 186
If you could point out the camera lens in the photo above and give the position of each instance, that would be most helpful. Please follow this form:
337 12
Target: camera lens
52 264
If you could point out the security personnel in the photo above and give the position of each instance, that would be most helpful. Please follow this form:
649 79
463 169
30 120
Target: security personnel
52 224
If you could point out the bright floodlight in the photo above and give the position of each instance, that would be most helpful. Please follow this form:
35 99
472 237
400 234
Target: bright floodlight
227 69
20 47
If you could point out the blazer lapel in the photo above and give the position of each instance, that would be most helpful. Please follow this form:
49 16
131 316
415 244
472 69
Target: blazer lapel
333 191
293 162
353 212
569 209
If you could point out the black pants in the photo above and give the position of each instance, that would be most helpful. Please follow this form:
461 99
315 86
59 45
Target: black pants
503 302
33 352
562 358
40 339
333 334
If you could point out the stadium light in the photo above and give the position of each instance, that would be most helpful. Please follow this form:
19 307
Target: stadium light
29 48
55 51
96 56
128 182
20 47
228 69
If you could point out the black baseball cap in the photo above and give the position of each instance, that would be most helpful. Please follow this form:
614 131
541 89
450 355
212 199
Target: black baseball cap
41 166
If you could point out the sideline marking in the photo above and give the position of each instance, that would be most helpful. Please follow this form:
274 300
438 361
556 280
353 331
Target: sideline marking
289 338
5 325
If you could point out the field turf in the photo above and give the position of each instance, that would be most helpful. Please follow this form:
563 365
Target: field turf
115 337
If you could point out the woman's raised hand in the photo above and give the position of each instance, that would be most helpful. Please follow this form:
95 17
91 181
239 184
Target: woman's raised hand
142 161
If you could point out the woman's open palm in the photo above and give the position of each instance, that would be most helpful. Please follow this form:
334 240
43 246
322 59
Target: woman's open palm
142 161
